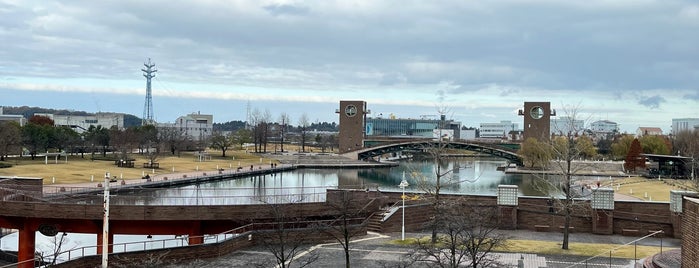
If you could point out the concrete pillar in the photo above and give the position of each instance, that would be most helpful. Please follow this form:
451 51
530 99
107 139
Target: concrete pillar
507 206
195 235
676 209
602 211
110 247
25 252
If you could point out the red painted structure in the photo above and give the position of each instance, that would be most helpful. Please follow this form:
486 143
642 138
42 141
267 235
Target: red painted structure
29 214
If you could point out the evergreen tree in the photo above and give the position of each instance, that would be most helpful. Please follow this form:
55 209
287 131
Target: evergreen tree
634 159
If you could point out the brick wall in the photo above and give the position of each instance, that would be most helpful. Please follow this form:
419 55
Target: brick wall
532 211
690 231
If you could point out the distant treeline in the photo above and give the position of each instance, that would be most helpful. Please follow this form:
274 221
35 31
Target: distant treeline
132 120
27 112
237 124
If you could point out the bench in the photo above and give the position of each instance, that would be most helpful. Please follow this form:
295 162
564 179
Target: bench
629 232
151 165
541 228
570 228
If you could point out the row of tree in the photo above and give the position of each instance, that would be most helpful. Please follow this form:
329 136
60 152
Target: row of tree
537 155
40 135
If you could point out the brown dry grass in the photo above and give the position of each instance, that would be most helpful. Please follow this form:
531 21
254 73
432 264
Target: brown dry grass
581 249
78 170
646 189
554 248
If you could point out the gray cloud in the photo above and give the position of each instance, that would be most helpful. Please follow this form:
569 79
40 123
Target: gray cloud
508 49
286 9
652 102
584 45
508 91
694 96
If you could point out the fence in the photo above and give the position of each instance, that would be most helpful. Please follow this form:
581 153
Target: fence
245 232
610 258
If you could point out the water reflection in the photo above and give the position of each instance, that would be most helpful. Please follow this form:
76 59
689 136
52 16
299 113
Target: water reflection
459 175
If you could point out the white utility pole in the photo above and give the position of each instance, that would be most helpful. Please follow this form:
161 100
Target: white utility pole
402 185
105 222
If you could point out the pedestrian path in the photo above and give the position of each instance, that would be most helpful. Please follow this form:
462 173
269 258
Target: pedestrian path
520 260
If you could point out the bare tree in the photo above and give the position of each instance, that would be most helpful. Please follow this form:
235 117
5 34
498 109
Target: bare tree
443 173
256 124
687 144
266 121
219 141
566 149
50 255
283 122
282 238
467 236
303 126
345 225
173 140
153 260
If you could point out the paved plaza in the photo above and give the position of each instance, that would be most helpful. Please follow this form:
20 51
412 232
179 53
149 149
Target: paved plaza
374 250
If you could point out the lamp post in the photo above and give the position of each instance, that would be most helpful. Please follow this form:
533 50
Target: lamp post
402 185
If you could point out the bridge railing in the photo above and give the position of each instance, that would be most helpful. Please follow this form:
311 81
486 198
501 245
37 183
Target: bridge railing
244 232
180 196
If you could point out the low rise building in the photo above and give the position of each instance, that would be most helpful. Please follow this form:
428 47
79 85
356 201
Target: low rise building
684 124
567 125
80 123
496 130
12 118
648 131
421 128
604 127
196 126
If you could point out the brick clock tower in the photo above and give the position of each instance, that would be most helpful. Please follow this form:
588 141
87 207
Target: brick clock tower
352 123
537 120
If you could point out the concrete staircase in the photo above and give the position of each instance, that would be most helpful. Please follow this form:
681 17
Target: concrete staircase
374 224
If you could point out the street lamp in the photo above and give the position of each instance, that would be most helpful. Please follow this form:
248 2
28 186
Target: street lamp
402 185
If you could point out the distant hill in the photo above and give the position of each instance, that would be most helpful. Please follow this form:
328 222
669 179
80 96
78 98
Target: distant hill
229 126
27 112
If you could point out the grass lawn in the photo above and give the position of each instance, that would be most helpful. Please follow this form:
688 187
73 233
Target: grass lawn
77 169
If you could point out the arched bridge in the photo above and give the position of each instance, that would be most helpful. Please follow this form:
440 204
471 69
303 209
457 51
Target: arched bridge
421 145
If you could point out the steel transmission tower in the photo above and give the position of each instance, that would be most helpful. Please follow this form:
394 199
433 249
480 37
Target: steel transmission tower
148 73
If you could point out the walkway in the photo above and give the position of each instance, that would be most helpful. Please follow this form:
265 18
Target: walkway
374 250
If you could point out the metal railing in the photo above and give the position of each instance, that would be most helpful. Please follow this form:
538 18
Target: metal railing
187 196
605 259
183 241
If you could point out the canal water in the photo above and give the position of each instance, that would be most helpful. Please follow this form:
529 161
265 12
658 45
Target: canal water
459 176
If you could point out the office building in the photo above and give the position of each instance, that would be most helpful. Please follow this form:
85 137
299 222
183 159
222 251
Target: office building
684 124
497 130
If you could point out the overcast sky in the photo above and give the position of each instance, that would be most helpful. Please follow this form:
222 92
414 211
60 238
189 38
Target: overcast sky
635 62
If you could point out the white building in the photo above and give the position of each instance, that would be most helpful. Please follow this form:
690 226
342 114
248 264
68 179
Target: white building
12 118
604 127
468 134
682 124
80 123
648 131
497 130
566 125
195 125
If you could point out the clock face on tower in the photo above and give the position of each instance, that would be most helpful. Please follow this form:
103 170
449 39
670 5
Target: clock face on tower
537 112
350 110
